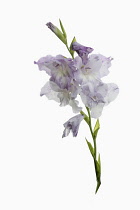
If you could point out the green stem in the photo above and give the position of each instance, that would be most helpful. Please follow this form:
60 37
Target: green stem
69 50
98 174
91 130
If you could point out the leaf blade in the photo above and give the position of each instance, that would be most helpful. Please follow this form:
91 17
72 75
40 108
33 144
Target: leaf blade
62 28
72 51
96 129
91 148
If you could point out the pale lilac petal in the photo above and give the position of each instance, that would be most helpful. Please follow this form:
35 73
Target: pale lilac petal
49 93
74 89
96 111
45 63
62 74
101 89
106 63
72 125
87 73
101 95
113 92
95 68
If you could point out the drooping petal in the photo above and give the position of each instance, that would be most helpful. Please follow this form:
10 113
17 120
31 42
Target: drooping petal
72 125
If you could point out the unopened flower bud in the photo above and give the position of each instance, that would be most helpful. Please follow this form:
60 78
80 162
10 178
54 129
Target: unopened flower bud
57 32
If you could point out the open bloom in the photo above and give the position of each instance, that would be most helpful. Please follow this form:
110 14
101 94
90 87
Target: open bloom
96 68
96 97
82 51
72 125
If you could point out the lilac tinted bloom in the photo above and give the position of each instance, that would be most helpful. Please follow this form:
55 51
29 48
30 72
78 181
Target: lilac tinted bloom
100 96
62 74
96 67
59 68
82 51
72 125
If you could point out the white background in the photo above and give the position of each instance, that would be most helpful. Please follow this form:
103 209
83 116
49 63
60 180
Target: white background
38 169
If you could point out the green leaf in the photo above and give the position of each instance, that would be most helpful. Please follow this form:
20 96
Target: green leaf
97 125
86 118
62 28
90 148
98 167
96 128
71 51
98 185
98 170
99 160
98 173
